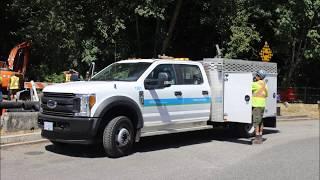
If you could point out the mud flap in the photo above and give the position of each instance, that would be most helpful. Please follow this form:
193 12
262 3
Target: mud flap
270 122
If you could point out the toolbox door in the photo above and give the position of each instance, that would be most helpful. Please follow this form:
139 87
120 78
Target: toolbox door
237 97
271 103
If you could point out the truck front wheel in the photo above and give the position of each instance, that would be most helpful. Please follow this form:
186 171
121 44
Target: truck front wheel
118 137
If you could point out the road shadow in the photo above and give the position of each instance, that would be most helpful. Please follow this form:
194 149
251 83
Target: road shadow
270 131
156 143
178 140
74 150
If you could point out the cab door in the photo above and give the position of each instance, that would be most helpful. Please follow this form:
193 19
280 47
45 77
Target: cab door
160 104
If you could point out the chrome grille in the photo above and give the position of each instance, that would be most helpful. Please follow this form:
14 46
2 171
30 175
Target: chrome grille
65 104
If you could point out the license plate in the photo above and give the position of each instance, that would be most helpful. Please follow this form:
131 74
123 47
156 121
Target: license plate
48 126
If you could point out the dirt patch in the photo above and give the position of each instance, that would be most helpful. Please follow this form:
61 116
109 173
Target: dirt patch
297 109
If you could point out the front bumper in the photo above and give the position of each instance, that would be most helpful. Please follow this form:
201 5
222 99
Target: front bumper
76 130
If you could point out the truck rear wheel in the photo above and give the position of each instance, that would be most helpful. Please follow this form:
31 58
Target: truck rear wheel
246 130
118 137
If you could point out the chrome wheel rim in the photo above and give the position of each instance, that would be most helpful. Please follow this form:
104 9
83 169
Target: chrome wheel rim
123 137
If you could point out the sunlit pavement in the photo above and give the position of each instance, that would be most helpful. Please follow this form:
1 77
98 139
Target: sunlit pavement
289 152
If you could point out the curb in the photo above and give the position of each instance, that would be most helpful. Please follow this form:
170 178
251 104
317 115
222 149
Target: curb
28 138
3 146
300 116
301 119
294 118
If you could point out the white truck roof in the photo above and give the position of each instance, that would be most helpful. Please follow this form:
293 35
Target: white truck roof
171 61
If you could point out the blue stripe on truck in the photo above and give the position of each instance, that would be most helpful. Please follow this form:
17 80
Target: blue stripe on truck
176 101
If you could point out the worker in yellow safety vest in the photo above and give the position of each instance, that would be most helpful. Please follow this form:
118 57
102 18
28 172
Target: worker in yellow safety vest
68 77
13 86
259 95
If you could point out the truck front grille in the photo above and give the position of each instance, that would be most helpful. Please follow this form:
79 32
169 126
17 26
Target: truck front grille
60 104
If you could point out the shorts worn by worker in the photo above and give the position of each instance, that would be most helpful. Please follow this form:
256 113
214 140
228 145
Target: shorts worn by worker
257 113
13 91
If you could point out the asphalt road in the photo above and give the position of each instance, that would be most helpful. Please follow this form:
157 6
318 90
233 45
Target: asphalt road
289 152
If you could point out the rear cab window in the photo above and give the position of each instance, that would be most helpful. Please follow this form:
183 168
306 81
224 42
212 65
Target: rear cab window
188 74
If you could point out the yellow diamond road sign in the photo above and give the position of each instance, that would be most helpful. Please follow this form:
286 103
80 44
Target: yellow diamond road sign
266 53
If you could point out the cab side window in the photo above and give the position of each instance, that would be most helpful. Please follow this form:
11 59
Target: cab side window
167 68
188 74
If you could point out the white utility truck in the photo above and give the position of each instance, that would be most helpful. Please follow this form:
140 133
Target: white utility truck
130 99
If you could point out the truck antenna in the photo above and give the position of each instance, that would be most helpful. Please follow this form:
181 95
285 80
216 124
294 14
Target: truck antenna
218 51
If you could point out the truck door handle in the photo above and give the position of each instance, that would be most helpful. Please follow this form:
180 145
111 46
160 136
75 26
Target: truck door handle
205 93
178 93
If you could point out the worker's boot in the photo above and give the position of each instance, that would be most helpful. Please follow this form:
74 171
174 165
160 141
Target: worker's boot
256 140
260 140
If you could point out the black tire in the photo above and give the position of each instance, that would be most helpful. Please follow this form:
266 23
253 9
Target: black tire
245 130
10 104
118 137
31 105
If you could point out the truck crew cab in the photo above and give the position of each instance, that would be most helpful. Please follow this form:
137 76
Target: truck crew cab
130 99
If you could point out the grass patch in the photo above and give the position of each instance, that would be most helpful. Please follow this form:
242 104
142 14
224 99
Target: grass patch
299 109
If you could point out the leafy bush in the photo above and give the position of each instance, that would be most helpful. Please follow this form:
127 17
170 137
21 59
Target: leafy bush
55 78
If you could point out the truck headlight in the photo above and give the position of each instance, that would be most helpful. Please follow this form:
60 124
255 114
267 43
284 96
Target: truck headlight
87 101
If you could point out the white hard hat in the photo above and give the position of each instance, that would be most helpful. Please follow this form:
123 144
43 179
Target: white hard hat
261 73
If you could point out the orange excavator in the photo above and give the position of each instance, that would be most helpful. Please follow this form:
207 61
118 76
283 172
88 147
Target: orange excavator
17 63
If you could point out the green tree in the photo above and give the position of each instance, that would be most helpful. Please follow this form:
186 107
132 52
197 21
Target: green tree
233 27
243 36
297 28
71 34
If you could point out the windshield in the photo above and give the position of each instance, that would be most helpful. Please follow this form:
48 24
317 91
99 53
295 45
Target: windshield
121 72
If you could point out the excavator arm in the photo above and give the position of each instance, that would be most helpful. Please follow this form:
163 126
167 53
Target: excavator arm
15 61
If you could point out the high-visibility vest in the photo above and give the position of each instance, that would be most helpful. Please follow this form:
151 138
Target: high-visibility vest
0 81
14 82
68 77
259 93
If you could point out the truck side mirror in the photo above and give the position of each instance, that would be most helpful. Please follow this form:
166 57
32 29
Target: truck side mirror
163 76
159 83
163 80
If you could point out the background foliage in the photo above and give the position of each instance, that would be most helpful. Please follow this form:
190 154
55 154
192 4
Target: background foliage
72 34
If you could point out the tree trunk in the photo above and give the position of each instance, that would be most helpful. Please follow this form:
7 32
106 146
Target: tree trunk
166 41
138 37
156 36
296 59
288 73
